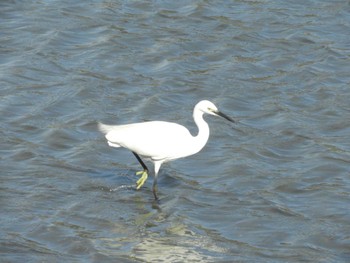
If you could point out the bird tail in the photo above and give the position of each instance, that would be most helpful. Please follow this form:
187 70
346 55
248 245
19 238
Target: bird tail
104 128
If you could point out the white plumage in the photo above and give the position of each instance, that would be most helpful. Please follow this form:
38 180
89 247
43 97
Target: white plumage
161 141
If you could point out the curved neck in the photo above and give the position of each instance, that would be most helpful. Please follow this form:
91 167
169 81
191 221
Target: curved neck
203 130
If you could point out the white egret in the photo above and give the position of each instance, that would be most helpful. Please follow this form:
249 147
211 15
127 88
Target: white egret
161 141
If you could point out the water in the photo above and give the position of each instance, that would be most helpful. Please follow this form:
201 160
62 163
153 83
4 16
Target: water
273 188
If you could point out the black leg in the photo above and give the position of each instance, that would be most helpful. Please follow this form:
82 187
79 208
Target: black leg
155 189
141 162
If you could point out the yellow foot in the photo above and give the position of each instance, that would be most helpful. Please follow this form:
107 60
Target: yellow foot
142 180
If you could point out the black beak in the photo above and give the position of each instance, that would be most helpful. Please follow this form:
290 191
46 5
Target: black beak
219 113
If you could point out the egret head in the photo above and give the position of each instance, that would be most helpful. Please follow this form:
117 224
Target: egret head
206 106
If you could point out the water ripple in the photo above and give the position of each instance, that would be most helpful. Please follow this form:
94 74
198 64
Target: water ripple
272 187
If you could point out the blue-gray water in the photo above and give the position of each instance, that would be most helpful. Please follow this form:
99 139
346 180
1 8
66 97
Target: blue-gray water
275 187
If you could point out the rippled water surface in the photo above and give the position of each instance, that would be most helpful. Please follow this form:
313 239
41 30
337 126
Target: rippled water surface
274 187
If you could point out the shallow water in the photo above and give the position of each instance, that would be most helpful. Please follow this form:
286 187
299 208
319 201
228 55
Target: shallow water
274 187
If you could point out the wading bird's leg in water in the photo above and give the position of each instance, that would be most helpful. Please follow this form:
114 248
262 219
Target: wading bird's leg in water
144 173
155 185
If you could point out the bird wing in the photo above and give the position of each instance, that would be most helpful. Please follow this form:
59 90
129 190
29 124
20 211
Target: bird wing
157 140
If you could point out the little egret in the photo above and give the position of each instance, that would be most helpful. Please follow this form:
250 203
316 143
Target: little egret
161 141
